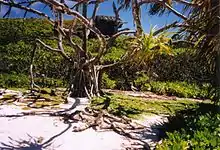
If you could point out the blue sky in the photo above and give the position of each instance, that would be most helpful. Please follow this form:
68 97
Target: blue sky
106 9
147 20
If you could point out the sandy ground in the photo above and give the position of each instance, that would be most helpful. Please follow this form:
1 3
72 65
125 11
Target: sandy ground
41 131
51 133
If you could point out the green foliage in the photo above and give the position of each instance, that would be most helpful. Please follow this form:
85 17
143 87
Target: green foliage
141 80
114 54
22 80
14 30
182 66
175 142
17 37
133 106
13 57
179 67
14 80
147 47
107 82
198 129
179 89
50 82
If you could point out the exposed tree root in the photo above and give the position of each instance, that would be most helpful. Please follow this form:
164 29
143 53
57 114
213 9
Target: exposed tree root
101 120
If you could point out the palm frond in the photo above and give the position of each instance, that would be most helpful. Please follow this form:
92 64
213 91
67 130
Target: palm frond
148 46
126 4
156 9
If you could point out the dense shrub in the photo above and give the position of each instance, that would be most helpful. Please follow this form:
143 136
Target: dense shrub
198 130
14 80
14 30
107 82
172 88
15 57
17 39
180 89
183 66
22 80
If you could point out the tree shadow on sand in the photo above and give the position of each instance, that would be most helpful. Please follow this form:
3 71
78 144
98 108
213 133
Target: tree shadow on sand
60 113
32 143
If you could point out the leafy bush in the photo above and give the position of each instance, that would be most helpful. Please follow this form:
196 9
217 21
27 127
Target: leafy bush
183 66
14 30
107 82
14 80
141 80
15 57
22 80
50 82
197 130
180 89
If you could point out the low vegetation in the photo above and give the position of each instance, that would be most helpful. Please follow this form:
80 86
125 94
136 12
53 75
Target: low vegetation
46 98
132 106
179 89
23 81
196 129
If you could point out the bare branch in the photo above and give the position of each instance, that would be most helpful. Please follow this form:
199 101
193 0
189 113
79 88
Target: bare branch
125 56
69 37
96 7
62 8
175 11
54 50
112 38
183 41
127 31
116 10
29 4
17 5
8 12
77 4
47 46
188 3
60 36
32 84
162 2
140 3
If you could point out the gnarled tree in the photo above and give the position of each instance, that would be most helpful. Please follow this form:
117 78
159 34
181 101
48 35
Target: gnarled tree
85 67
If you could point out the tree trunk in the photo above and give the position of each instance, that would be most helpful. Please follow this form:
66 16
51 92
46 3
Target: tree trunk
136 16
85 82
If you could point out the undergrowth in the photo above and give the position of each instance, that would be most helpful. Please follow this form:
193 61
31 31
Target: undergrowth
46 98
175 88
193 129
133 107
22 81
